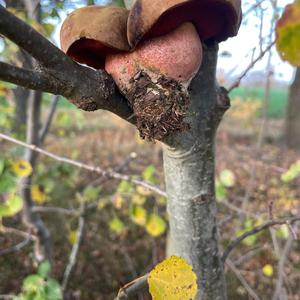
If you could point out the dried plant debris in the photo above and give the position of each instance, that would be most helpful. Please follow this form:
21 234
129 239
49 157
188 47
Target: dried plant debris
160 107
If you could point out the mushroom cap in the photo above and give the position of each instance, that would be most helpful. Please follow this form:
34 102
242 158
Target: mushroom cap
90 33
177 55
218 19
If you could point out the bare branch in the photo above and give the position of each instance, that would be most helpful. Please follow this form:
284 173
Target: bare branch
30 40
245 284
47 123
256 230
251 65
107 173
29 79
15 248
131 289
59 210
75 249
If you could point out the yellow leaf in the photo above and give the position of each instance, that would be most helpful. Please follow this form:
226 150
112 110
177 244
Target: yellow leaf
37 194
138 199
155 226
21 168
139 215
268 270
173 279
143 191
288 34
73 237
118 201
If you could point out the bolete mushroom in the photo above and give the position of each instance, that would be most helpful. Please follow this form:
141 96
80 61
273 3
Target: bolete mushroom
152 52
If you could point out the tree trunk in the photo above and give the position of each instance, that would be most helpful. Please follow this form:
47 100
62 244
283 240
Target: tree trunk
292 129
20 94
189 174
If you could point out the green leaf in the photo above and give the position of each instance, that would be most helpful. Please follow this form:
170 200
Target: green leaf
116 225
7 183
2 165
149 174
44 269
288 34
91 193
32 283
125 187
221 192
292 173
227 178
12 206
53 290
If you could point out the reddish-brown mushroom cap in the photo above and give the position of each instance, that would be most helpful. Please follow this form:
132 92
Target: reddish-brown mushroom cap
218 19
90 33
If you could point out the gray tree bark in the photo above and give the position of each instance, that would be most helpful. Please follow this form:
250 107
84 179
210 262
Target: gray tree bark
189 173
292 128
20 94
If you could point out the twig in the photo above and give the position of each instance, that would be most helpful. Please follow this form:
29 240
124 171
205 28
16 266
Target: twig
110 174
256 230
131 289
16 248
30 40
75 250
242 280
250 66
47 123
59 210
282 261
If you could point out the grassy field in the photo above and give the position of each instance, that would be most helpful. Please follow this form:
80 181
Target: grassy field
278 101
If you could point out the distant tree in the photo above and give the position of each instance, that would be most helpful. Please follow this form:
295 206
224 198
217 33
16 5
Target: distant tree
292 125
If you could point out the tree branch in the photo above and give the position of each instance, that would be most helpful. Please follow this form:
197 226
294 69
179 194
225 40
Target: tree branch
131 289
250 66
30 40
107 173
88 89
29 79
256 230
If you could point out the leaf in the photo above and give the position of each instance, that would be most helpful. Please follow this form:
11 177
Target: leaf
118 201
37 193
53 290
288 34
32 282
221 192
125 187
91 193
268 270
138 215
73 237
21 168
44 269
149 174
2 165
227 178
12 206
156 226
7 183
292 173
116 225
138 199
173 279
